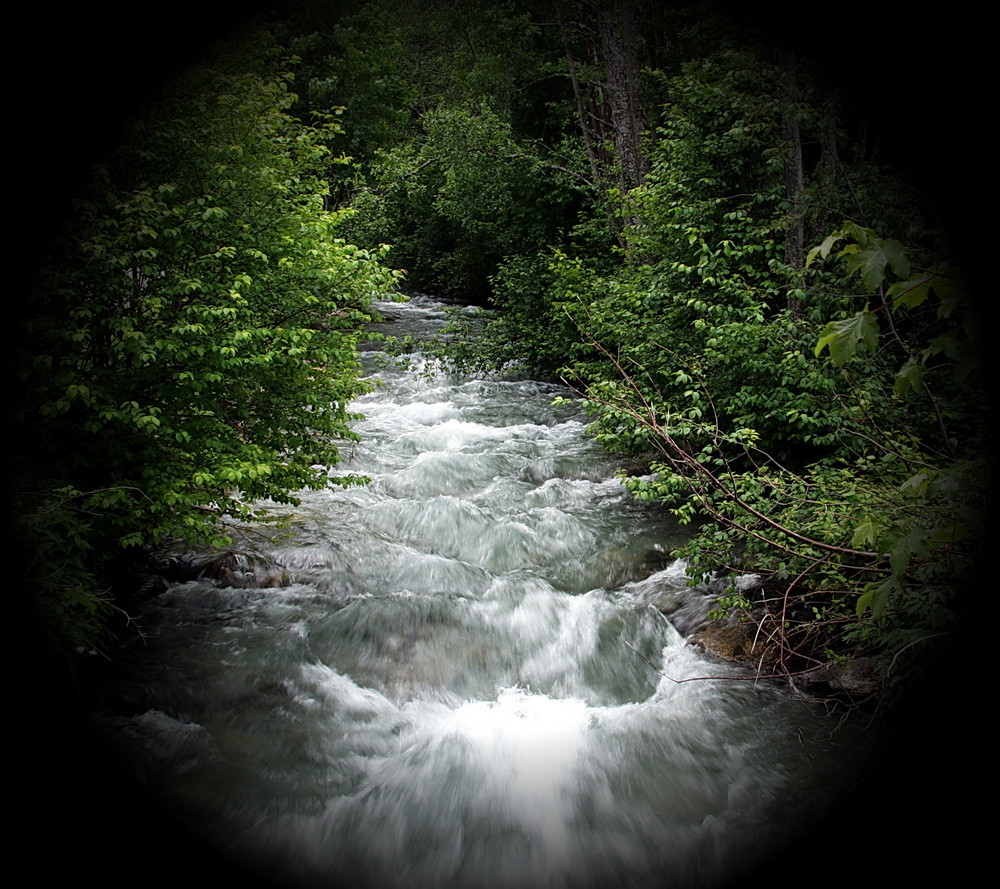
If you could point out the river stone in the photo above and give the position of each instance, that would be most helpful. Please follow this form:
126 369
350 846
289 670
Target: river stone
731 641
859 677
233 568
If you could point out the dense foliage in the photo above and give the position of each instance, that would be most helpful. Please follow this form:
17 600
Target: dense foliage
677 216
190 349
684 221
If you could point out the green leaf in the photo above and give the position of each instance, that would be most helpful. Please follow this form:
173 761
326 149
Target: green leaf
910 376
866 533
877 596
869 255
913 543
911 292
823 250
843 337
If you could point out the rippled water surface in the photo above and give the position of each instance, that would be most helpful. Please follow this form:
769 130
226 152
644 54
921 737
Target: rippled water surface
462 676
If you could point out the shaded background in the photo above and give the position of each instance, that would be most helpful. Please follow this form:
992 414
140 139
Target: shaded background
74 75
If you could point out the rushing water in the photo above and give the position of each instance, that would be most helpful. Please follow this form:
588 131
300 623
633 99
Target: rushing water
462 674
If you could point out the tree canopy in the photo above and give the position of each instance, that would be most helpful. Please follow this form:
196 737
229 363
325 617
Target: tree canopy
191 347
676 213
693 226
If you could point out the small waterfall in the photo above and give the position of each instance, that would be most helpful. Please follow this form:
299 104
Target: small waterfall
461 675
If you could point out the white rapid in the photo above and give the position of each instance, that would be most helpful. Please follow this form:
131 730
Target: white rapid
464 677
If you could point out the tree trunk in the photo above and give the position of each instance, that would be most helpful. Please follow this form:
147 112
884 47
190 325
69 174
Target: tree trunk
610 110
617 42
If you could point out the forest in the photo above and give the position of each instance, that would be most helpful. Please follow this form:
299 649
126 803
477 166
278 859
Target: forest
677 213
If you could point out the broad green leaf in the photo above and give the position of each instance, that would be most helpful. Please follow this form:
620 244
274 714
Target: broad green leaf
876 596
842 337
865 599
823 250
910 376
947 344
911 544
866 533
911 292
871 261
895 253
918 483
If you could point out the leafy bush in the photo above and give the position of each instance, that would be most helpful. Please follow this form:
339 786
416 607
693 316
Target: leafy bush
191 347
866 549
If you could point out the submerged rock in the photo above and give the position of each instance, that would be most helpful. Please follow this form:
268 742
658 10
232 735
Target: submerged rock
233 568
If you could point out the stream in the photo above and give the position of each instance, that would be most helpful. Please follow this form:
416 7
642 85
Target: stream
462 674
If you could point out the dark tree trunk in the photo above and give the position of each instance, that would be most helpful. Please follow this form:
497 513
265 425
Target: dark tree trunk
610 109
619 53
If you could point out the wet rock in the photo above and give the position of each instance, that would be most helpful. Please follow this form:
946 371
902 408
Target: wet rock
245 570
858 677
688 613
736 638
732 641
157 746
232 568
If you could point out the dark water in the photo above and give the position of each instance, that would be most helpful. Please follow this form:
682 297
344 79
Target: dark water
462 677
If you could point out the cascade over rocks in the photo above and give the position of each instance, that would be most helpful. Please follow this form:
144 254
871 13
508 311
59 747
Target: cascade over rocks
449 676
